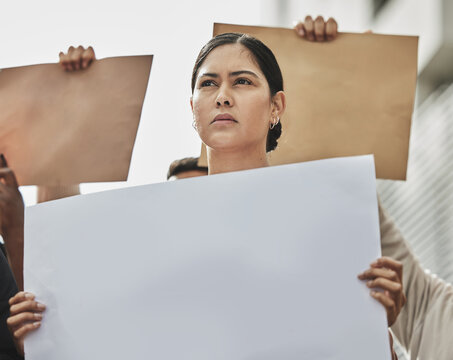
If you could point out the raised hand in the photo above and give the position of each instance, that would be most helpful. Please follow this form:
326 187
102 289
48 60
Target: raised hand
77 58
318 29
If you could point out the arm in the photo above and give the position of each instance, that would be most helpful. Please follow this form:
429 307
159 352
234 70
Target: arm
425 324
8 288
48 193
12 220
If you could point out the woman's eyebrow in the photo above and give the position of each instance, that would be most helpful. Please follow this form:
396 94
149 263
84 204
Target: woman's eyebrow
241 72
231 74
214 75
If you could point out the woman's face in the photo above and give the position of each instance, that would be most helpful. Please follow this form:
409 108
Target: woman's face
231 101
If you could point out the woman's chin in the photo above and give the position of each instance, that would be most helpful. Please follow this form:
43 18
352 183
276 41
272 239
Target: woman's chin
223 142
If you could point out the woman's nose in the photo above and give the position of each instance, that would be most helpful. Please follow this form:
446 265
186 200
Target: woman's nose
223 99
221 102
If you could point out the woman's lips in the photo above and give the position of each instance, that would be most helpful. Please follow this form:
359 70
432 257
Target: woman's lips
223 118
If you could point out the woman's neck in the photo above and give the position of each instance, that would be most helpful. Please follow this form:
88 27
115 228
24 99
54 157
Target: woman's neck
226 161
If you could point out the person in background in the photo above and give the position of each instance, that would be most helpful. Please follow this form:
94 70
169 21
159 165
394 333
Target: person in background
11 230
12 215
186 168
11 220
11 254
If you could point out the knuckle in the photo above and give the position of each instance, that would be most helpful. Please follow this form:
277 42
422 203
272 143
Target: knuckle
377 281
393 275
379 296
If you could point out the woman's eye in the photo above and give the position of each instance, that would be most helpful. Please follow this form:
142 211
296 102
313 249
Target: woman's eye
207 83
242 81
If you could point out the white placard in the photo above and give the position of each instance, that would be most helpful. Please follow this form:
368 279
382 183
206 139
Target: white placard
259 264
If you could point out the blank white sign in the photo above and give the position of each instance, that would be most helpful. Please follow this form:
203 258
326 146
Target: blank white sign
258 264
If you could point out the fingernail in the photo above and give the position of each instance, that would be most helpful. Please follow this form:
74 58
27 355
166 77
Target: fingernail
301 32
36 323
29 296
373 292
41 306
38 316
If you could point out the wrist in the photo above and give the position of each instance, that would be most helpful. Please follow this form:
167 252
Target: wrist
14 242
14 234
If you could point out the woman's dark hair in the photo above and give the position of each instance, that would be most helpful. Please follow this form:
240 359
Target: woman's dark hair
183 165
265 60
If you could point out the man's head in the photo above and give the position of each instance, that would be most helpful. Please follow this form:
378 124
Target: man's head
185 168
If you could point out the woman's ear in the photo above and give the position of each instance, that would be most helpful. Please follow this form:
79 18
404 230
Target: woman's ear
279 104
191 103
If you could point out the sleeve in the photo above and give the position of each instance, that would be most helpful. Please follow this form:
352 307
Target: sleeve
8 289
425 324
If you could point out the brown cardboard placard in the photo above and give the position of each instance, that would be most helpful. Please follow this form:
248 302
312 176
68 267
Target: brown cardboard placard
351 96
60 128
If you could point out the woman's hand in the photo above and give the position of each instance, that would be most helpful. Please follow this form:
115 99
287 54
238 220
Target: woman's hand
77 58
318 29
25 316
386 274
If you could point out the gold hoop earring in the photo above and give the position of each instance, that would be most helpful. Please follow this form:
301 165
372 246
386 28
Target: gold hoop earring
194 125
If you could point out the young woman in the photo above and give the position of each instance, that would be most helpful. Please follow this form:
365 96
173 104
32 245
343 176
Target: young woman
237 103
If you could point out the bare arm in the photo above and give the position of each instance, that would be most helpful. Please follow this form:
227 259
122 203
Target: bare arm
12 220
